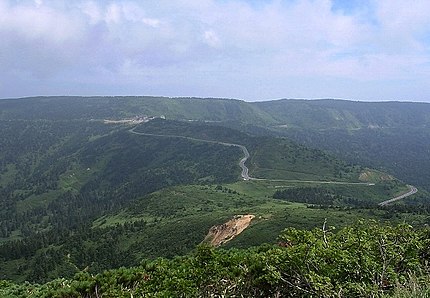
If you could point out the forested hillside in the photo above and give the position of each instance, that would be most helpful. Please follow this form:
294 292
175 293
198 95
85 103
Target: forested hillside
95 183
118 107
341 114
68 187
363 260
309 114
392 136
59 172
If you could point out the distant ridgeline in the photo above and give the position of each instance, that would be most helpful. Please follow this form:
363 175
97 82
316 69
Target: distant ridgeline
287 113
392 136
95 183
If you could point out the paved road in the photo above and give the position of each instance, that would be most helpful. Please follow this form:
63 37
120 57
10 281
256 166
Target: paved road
412 190
316 181
245 170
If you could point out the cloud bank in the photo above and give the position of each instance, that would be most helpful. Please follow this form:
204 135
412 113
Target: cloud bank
368 50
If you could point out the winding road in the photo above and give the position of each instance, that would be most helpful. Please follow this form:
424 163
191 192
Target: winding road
412 190
245 170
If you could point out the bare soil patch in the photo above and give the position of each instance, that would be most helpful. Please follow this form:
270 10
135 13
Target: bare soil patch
221 234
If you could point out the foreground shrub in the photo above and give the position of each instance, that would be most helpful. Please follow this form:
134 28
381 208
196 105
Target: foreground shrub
362 260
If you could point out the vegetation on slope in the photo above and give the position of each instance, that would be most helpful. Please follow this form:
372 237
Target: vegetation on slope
271 158
313 114
341 114
62 174
119 107
399 151
77 194
174 221
78 211
365 259
392 136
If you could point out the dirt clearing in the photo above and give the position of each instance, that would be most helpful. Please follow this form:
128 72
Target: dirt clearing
218 235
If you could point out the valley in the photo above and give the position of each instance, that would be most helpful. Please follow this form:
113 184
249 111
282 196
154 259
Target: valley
215 148
242 162
79 193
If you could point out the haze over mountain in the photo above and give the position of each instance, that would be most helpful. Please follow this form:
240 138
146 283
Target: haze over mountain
392 136
284 191
250 49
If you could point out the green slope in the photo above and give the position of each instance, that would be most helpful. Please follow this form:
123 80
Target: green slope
392 136
362 260
66 108
271 158
79 194
330 114
174 221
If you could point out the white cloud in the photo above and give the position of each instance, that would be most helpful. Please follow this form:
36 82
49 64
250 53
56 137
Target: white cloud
33 23
212 39
151 22
92 11
113 14
206 41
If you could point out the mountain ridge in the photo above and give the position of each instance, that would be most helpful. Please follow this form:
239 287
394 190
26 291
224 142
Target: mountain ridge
79 192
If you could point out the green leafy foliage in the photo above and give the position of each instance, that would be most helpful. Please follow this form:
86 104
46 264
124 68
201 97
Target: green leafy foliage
399 151
342 195
77 194
365 259
316 196
271 158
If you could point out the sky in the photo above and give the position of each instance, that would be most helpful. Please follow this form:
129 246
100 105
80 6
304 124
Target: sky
370 50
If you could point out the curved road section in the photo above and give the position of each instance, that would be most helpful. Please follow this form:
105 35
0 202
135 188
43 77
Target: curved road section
412 190
245 170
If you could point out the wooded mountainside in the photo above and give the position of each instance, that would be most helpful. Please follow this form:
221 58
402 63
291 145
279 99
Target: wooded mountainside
89 184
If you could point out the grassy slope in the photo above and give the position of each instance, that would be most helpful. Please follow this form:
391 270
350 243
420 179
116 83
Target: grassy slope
331 114
271 158
283 159
191 213
392 136
387 135
60 108
178 218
